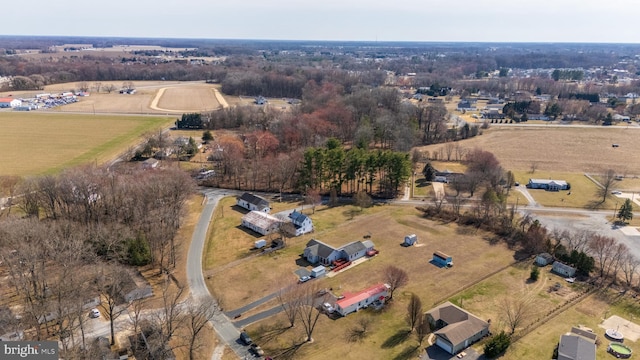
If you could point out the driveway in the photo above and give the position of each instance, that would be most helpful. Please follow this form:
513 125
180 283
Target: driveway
523 190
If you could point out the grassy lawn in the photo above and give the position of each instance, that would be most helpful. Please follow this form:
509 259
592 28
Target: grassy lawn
583 191
33 143
539 344
387 225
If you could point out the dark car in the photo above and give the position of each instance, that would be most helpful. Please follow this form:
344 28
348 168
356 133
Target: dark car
244 337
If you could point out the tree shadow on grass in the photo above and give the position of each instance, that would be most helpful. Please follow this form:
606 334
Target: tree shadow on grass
396 339
288 353
268 333
594 204
408 353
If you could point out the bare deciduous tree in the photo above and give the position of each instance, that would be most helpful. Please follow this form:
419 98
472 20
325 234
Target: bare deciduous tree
395 278
606 183
290 298
112 282
197 317
423 328
308 313
414 311
603 250
629 265
515 312
359 331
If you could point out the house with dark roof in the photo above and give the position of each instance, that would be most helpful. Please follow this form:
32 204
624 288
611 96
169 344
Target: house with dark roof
577 345
253 202
301 222
353 250
456 329
319 252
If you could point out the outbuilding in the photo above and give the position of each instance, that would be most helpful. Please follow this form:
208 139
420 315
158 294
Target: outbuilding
410 240
563 269
442 259
544 259
318 271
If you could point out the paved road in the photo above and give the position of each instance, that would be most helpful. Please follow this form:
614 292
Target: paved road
227 332
259 316
233 313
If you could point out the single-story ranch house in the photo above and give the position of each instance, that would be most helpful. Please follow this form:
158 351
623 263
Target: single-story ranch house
456 328
253 202
319 252
302 223
353 302
10 102
549 185
260 222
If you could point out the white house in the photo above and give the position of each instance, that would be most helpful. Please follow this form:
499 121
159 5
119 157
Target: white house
10 102
302 223
260 222
354 302
253 202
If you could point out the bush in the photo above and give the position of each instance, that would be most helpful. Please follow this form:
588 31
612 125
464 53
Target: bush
497 345
535 273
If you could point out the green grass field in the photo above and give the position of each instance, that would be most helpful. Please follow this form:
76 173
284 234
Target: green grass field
33 143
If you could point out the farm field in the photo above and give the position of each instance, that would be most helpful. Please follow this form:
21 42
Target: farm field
573 150
34 143
475 256
151 97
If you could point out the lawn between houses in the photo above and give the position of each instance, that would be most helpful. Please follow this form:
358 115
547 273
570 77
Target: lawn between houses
35 143
255 277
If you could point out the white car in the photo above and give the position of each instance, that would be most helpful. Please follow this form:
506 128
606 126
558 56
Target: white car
94 313
328 308
616 193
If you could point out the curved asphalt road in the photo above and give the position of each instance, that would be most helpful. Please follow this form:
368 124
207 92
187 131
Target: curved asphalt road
227 332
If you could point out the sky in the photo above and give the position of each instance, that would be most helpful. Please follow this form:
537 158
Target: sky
351 20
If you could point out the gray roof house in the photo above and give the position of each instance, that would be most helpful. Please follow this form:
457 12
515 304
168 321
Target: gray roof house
563 269
456 328
301 222
577 345
353 250
253 202
319 252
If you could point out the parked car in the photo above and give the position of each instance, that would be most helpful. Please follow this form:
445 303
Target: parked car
245 338
304 278
94 313
328 308
616 193
256 349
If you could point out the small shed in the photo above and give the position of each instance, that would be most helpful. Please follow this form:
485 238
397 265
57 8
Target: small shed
442 259
410 240
318 271
260 244
544 259
563 269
